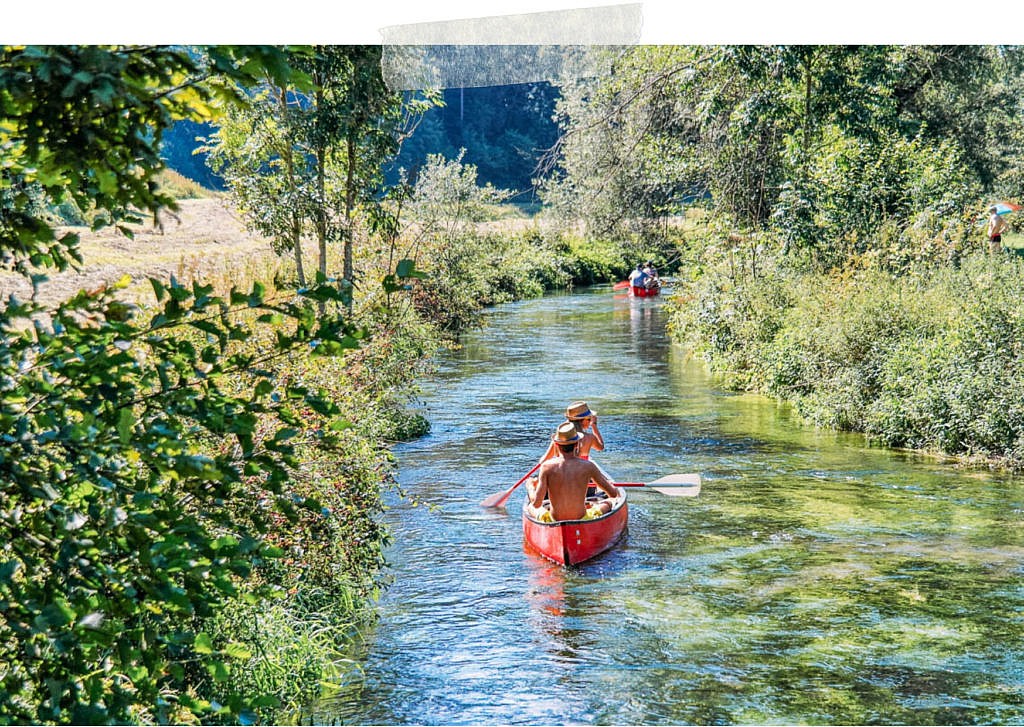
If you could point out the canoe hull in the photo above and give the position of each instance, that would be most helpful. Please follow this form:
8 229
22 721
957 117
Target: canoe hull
574 541
639 292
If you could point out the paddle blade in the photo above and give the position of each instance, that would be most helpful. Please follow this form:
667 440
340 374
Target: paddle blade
498 499
621 286
691 479
687 485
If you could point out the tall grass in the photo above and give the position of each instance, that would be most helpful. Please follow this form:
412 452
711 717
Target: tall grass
297 650
179 186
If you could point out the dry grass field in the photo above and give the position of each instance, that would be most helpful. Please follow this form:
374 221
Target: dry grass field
202 238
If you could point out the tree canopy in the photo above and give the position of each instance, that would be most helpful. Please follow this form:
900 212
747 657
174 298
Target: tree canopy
818 143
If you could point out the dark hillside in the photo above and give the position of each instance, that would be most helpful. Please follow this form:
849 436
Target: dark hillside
504 130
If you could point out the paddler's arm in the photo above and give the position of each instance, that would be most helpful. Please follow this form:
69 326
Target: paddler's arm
601 480
542 488
598 439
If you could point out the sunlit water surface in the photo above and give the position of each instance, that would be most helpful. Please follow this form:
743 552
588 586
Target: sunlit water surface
815 579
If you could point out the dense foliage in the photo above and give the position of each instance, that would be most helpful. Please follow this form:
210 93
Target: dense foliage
469 256
824 145
167 470
927 359
189 491
301 163
834 201
83 125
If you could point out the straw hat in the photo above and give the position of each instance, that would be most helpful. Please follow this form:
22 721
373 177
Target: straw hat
566 434
578 410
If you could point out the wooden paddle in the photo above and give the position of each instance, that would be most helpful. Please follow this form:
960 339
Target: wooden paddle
675 485
621 286
499 499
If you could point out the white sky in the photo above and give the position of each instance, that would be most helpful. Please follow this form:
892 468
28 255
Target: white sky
361 21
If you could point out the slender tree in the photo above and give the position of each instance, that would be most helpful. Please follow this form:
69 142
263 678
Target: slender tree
761 132
302 163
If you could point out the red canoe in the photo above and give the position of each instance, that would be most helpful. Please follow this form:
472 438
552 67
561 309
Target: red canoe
640 292
569 542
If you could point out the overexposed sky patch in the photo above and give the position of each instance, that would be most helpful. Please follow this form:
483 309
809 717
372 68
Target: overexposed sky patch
363 21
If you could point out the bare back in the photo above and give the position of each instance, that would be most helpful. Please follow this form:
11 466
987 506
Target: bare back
564 480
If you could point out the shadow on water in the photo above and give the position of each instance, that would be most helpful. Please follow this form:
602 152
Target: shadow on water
816 579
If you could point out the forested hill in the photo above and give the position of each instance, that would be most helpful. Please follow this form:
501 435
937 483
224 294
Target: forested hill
504 130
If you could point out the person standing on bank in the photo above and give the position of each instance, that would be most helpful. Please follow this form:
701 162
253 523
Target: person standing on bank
996 227
563 481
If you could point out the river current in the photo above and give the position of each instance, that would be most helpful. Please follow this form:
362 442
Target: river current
815 580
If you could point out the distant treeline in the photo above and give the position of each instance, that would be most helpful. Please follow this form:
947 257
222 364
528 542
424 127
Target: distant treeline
505 131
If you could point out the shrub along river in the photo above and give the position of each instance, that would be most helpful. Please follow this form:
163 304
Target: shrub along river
816 579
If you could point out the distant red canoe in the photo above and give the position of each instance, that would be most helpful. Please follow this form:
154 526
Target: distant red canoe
644 292
569 542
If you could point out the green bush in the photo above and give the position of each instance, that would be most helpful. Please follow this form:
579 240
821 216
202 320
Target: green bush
594 260
931 360
896 198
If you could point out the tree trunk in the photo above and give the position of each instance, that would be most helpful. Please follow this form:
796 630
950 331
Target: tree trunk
297 248
321 212
350 203
808 95
321 195
289 160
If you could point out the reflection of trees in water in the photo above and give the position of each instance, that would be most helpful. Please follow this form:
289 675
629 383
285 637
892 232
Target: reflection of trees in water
648 339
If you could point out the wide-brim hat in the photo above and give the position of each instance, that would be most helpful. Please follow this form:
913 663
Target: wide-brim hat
566 434
578 410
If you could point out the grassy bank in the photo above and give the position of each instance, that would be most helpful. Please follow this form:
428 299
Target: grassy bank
930 360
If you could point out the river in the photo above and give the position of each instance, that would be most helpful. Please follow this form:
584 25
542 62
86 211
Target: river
816 579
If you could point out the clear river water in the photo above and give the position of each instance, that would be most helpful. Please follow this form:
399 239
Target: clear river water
816 579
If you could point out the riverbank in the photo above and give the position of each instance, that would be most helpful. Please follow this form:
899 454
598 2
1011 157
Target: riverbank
928 360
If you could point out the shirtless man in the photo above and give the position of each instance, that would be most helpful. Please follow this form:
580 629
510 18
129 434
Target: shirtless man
996 227
563 480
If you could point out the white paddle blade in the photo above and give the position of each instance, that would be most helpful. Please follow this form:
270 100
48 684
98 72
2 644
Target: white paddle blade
687 485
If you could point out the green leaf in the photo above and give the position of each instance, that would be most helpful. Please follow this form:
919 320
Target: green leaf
203 644
125 424
237 651
219 670
406 268
137 673
263 388
7 570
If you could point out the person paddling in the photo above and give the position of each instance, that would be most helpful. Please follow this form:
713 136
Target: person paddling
563 481
581 417
652 280
638 278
